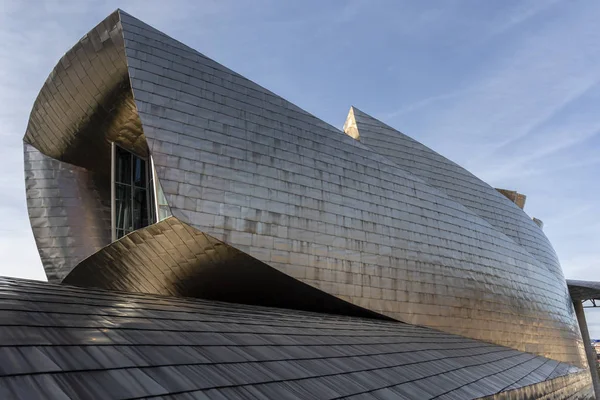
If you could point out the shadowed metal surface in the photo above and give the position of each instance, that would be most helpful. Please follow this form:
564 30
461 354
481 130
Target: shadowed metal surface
564 387
172 258
583 290
257 173
69 211
85 104
66 342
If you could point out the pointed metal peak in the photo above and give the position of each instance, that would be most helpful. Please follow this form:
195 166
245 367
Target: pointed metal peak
360 112
122 12
350 127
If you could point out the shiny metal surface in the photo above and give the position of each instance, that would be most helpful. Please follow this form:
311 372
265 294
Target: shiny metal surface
255 171
251 170
459 184
518 198
69 211
85 104
59 342
572 387
172 258
583 290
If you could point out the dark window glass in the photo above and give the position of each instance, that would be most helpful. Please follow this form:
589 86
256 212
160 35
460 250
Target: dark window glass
131 193
140 208
139 172
123 165
123 212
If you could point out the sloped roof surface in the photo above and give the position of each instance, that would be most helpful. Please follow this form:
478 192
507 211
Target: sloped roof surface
584 290
61 342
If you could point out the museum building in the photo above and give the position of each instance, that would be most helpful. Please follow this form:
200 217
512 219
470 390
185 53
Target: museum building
205 238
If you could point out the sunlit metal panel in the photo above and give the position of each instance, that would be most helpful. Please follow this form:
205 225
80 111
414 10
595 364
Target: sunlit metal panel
255 172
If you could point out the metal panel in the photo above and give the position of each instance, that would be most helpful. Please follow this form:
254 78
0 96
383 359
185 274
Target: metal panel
253 171
87 343
584 290
69 211
85 104
172 258
458 183
249 168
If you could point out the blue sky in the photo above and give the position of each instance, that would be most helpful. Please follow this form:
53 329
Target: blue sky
508 89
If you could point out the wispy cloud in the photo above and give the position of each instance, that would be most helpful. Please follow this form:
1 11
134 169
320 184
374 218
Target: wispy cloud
523 114
498 25
421 104
520 89
522 13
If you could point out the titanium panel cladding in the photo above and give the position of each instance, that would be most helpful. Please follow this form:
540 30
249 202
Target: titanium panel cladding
255 171
68 210
62 342
458 183
172 258
249 169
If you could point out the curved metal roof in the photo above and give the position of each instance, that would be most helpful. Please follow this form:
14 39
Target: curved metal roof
60 342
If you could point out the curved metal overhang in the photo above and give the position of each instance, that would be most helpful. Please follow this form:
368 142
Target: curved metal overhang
173 258
584 290
87 102
85 105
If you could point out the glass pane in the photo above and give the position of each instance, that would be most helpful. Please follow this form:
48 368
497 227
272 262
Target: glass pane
163 207
139 172
163 212
140 208
123 208
123 166
152 211
160 196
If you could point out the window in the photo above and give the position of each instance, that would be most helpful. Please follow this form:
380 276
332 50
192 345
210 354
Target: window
138 199
131 193
160 207
163 211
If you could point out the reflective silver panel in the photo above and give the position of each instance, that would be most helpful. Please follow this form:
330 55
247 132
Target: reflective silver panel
85 104
253 170
264 177
60 341
572 387
459 184
172 258
69 211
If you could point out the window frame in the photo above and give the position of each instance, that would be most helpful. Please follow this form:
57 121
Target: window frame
150 190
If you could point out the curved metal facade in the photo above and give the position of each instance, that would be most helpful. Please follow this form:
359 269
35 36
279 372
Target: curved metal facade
253 171
172 258
69 210
458 183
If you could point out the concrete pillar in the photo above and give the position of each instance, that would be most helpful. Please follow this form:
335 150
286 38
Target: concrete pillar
587 343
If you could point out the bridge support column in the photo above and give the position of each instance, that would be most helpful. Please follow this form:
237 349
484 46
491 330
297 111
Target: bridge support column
587 343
